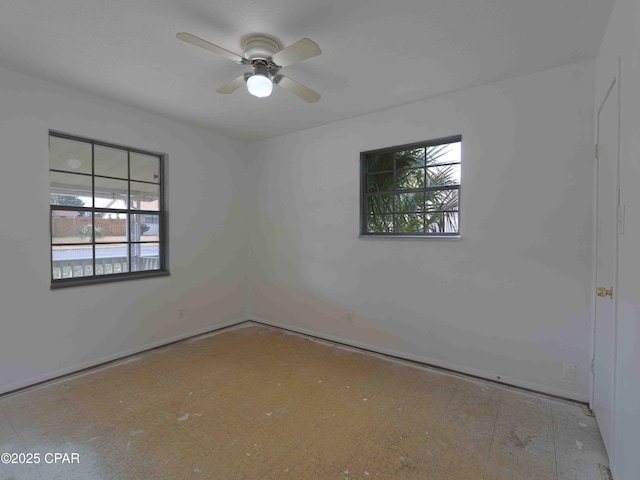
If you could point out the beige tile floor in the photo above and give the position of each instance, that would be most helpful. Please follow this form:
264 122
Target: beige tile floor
259 403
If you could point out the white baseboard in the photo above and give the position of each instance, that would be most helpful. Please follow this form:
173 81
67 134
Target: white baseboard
453 368
116 356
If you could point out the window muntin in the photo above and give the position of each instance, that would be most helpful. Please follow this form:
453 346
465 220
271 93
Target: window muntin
116 189
412 190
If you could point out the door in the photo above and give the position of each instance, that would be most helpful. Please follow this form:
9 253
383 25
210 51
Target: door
607 147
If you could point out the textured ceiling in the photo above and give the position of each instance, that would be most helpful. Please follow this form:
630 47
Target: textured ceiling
376 54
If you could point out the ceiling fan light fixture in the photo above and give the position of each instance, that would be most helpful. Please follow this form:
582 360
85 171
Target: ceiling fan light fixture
259 85
74 163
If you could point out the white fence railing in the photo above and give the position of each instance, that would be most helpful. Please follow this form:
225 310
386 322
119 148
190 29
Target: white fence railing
72 268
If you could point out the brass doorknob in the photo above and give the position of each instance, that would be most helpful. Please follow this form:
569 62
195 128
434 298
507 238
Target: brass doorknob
604 292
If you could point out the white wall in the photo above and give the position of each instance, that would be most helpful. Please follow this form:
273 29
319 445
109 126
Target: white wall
622 39
45 332
511 299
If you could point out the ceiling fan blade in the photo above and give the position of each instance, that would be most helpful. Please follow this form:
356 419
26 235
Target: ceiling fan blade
296 52
233 85
198 42
305 93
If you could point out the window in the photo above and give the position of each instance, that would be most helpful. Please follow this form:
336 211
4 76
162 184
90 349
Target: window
412 190
107 212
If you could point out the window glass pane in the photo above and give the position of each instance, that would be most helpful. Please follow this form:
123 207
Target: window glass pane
380 182
145 227
152 219
380 163
380 204
145 196
71 261
111 227
70 189
111 162
409 202
112 259
111 193
424 195
145 256
442 222
145 167
85 176
444 175
443 200
409 223
406 179
445 153
380 224
410 158
69 155
70 227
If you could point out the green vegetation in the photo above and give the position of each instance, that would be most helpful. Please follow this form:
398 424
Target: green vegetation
402 205
88 230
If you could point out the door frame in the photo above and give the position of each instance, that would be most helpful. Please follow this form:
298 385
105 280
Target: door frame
617 84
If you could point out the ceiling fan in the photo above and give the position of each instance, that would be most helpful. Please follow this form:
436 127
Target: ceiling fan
264 55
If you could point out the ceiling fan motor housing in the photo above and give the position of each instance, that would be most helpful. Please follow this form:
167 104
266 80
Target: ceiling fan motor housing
260 47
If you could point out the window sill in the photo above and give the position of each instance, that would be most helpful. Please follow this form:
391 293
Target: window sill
410 237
